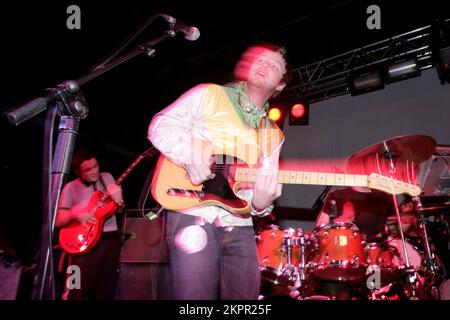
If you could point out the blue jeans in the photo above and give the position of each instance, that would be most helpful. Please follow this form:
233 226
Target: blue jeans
227 268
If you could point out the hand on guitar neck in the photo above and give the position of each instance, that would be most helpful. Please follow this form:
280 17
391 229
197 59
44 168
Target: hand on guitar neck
115 192
266 189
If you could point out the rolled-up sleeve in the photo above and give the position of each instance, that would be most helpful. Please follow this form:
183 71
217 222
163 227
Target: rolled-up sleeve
174 130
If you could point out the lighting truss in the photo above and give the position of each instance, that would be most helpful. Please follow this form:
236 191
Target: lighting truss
329 78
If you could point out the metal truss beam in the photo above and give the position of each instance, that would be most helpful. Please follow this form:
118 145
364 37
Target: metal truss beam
329 78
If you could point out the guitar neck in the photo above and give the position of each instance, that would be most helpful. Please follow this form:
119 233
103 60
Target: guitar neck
307 177
150 152
129 169
374 181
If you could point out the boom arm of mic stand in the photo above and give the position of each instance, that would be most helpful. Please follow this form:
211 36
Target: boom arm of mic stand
146 47
126 42
27 111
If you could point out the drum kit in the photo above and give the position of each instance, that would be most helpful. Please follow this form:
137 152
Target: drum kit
295 263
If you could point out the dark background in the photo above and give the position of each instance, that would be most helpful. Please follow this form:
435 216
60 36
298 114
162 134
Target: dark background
38 51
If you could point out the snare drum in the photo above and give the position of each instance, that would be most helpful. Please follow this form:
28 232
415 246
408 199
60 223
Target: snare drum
337 253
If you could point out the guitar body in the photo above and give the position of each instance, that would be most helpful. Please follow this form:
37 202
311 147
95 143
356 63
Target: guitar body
80 238
172 189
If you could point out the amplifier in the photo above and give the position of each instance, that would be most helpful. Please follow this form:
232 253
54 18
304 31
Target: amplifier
434 174
144 240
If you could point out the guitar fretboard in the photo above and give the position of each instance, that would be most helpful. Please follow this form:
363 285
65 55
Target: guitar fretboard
307 177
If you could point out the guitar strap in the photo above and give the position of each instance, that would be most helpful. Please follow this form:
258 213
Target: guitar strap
102 182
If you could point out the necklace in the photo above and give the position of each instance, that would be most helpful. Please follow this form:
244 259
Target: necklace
250 113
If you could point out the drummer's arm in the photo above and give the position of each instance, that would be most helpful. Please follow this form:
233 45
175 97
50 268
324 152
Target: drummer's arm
322 218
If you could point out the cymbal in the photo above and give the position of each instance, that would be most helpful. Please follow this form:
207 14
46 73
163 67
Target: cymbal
433 210
406 217
414 214
415 148
406 152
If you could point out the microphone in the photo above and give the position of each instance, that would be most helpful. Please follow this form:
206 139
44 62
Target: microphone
190 33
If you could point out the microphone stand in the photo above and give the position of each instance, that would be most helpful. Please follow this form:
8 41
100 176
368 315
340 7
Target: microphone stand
72 108
430 261
319 201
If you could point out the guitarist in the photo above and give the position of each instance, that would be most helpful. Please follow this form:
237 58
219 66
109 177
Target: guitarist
213 252
99 267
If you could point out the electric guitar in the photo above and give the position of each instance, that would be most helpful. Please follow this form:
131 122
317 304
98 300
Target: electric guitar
80 238
172 188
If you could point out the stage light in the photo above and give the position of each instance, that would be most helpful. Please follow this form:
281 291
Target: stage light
441 49
275 114
402 70
299 114
365 83
298 110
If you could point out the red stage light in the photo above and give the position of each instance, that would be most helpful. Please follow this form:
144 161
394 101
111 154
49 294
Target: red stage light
298 110
299 114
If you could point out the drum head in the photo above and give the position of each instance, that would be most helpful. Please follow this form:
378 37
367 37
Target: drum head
338 253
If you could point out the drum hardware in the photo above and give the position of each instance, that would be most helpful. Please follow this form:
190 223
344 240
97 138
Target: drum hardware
287 244
355 260
318 297
301 243
399 156
300 272
332 214
403 153
430 262
279 259
411 273
380 294
294 270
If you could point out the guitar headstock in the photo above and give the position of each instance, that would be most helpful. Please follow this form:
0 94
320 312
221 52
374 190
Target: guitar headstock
392 186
